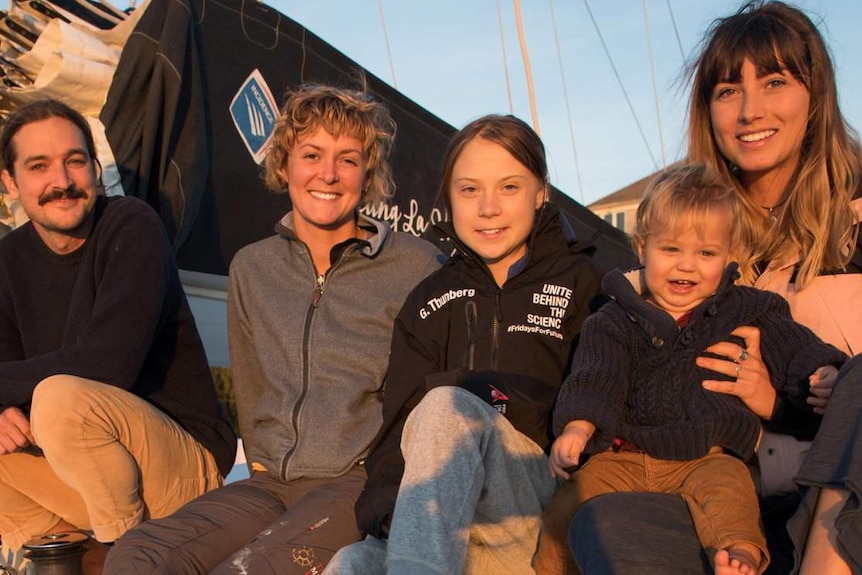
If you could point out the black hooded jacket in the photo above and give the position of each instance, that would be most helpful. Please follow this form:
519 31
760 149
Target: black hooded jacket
511 346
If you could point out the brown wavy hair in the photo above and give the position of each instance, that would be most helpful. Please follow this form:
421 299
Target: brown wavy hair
36 112
816 221
511 133
339 111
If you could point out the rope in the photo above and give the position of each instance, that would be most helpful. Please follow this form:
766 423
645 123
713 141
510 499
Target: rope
566 99
386 40
505 60
654 88
620 82
676 31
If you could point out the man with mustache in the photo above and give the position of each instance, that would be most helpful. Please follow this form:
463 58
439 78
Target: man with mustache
108 414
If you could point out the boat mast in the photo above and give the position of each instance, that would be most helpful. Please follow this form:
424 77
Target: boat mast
527 69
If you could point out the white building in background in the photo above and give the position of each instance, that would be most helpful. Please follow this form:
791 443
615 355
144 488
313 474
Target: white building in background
619 208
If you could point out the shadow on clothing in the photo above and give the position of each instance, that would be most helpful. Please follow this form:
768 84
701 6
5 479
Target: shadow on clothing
472 492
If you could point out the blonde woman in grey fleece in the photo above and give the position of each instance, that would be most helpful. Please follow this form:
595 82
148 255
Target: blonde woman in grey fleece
310 316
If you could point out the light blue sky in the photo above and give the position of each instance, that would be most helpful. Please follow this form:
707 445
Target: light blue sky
447 56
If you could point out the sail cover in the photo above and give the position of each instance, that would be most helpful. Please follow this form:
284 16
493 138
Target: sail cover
190 107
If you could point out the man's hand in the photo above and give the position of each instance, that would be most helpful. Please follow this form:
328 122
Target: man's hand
14 431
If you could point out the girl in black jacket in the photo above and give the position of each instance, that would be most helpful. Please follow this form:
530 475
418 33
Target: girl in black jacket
479 350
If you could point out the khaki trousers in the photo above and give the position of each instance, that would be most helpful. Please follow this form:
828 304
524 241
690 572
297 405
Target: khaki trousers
108 461
717 489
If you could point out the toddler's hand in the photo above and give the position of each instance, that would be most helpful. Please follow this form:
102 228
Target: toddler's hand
566 450
822 382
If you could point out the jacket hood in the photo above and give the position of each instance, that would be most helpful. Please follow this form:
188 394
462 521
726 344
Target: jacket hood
369 247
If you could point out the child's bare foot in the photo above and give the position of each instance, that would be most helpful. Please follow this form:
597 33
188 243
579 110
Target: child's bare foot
737 560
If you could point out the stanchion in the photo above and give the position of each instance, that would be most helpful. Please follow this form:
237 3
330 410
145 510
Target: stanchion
56 553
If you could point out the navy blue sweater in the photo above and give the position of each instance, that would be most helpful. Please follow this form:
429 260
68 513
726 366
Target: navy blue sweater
634 374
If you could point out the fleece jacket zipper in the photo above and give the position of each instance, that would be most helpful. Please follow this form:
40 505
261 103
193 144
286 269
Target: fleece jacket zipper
316 296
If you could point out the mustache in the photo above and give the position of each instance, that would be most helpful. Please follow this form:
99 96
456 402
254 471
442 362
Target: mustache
70 193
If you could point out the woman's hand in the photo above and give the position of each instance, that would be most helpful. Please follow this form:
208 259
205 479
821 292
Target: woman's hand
753 385
822 382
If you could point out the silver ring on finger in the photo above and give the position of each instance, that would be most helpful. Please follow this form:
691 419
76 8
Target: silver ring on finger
738 370
743 355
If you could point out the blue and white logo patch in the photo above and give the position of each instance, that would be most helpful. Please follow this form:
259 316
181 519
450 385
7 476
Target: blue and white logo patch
254 112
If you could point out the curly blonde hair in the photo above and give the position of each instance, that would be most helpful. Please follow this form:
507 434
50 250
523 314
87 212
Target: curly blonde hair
816 221
339 111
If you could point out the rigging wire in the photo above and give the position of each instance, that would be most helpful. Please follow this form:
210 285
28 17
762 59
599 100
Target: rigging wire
527 71
654 87
566 99
622 87
386 41
505 60
676 31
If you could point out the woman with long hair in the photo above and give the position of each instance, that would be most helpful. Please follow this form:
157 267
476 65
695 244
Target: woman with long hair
764 112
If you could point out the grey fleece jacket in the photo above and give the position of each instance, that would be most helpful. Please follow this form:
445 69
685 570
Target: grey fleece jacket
309 354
